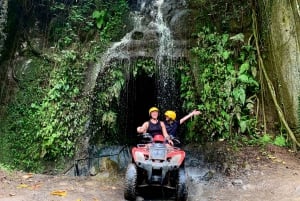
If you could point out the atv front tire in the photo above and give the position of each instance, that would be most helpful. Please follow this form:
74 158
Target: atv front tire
130 182
181 189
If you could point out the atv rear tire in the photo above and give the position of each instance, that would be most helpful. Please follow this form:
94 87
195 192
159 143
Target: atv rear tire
181 189
130 182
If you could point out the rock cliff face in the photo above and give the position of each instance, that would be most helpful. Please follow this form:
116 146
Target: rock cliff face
148 18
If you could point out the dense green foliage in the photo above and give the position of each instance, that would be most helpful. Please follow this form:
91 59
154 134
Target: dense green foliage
60 115
87 20
48 116
106 104
52 112
20 126
224 76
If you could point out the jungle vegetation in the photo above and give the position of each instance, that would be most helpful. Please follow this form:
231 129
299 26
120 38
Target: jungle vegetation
49 113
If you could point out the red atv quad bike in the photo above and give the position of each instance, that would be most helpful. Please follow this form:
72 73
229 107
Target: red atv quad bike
156 163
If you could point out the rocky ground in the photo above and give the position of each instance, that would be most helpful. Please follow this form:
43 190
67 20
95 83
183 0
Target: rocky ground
250 173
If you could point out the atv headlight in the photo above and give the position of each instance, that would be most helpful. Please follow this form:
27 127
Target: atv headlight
175 160
139 156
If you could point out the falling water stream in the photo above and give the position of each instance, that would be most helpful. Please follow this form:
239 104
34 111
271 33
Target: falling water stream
166 69
3 22
162 42
128 49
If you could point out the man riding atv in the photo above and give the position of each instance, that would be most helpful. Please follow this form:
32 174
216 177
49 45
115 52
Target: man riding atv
155 163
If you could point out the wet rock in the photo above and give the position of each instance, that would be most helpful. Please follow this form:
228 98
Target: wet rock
237 182
246 166
93 171
208 176
104 175
231 170
180 24
137 35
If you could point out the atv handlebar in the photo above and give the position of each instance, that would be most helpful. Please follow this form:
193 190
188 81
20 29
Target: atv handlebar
175 140
147 138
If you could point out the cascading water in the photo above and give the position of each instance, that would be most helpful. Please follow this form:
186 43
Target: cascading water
166 69
150 39
3 21
166 41
154 40
156 43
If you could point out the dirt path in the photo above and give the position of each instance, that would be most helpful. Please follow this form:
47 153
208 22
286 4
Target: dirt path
270 175
27 187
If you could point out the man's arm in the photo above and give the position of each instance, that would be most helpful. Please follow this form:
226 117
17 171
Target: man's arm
165 133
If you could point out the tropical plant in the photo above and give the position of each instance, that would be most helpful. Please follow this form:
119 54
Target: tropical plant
48 116
99 16
222 85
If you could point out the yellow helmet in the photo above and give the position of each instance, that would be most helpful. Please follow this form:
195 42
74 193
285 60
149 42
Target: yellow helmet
171 114
153 109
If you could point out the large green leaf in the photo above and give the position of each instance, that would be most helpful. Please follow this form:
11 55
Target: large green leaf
239 95
244 68
99 16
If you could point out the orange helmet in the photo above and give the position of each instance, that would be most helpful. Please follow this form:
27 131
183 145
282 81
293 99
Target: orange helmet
152 109
171 114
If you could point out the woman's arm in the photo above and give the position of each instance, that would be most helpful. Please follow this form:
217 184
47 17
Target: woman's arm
143 128
186 117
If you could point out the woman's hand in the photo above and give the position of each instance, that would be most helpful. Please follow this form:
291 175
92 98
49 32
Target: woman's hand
195 112
140 129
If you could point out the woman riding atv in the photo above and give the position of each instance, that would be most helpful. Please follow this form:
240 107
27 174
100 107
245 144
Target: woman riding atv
172 125
154 126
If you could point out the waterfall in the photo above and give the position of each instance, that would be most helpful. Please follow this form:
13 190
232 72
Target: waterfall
3 20
165 41
117 51
151 40
166 69
126 48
